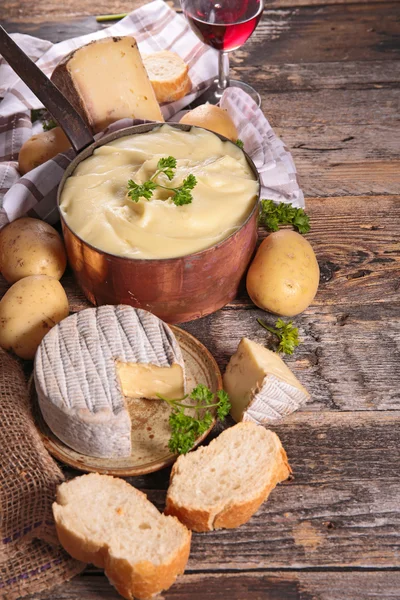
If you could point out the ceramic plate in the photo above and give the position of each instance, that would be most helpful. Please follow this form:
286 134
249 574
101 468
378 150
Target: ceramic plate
150 427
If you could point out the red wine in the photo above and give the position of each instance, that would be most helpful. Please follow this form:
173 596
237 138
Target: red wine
224 25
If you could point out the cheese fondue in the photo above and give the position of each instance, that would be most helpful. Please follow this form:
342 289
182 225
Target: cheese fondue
95 204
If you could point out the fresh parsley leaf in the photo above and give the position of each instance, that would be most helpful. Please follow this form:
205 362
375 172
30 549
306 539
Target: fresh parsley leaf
185 429
288 335
182 194
183 435
137 191
240 144
49 124
201 393
272 215
224 406
166 166
37 114
41 114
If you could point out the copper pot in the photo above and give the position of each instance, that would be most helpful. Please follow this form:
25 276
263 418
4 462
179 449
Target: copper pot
175 289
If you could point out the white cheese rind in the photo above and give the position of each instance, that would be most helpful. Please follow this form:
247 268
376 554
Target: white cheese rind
274 400
76 378
261 388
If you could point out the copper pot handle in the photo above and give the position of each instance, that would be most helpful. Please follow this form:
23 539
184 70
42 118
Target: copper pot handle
58 106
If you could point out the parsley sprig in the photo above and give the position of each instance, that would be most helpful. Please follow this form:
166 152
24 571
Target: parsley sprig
41 114
239 143
186 429
287 334
166 166
49 124
272 215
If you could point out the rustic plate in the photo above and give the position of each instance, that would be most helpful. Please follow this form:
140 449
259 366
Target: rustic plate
150 427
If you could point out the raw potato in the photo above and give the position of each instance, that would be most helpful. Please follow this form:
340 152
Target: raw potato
284 275
213 118
28 310
42 147
31 247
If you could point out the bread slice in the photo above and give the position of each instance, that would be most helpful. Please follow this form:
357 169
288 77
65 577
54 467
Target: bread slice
105 521
168 74
224 483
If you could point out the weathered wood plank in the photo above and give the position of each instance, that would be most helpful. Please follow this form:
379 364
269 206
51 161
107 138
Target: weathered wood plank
334 524
326 176
325 585
323 448
329 33
334 107
351 75
348 359
344 160
324 33
24 10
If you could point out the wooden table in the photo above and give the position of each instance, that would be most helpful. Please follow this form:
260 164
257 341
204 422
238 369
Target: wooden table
328 74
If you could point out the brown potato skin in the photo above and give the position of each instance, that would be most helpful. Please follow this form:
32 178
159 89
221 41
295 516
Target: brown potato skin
41 148
28 310
31 247
213 118
284 275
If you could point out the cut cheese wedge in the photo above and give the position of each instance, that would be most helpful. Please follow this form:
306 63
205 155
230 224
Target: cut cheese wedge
106 81
88 363
260 386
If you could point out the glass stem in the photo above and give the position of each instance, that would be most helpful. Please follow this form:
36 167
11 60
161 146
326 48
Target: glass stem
223 71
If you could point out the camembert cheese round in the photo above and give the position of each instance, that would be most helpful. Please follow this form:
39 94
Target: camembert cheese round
88 364
96 206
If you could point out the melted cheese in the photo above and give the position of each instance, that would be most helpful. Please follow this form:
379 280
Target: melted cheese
95 205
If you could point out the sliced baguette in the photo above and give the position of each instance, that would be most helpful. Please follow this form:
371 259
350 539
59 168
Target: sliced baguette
168 75
105 521
223 484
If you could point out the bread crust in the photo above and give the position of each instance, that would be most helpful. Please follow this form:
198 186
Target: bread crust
238 514
235 513
175 88
141 580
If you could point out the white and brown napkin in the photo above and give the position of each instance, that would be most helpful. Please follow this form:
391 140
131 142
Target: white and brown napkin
155 27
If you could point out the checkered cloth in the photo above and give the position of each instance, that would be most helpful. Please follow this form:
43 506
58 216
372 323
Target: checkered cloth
155 27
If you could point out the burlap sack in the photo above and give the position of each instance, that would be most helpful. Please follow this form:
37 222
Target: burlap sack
30 558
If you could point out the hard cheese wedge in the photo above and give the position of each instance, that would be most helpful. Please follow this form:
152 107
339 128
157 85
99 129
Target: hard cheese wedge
89 362
260 386
106 81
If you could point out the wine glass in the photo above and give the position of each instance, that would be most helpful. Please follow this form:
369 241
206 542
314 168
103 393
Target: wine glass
225 25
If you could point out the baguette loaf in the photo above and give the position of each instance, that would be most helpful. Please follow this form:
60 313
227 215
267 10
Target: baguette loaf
168 75
105 521
223 484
